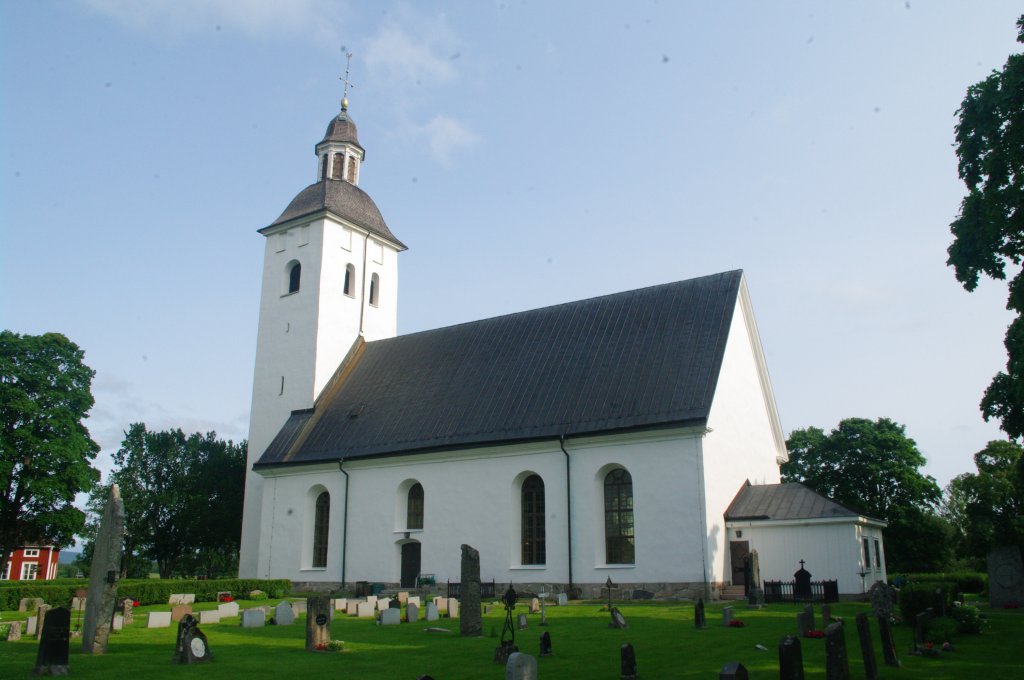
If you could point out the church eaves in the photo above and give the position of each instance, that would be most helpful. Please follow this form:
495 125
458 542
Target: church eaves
636 360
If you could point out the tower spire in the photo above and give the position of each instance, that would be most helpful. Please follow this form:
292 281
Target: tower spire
344 79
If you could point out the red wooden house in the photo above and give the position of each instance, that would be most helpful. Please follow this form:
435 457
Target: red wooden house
32 563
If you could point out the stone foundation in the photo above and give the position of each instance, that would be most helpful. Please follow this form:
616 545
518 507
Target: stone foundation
586 591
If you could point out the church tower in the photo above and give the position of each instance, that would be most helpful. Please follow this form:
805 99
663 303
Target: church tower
330 278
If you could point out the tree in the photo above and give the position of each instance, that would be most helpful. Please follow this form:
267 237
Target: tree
989 232
46 452
986 508
183 500
874 468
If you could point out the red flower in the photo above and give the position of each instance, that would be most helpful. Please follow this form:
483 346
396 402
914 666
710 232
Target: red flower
814 634
929 645
1011 605
135 603
735 623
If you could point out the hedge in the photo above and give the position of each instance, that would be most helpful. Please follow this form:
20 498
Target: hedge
964 581
146 591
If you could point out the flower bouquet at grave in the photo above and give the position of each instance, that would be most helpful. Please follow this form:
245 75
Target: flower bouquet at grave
929 649
947 646
736 623
814 634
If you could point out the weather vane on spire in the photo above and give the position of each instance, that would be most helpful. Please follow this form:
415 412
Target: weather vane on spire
344 79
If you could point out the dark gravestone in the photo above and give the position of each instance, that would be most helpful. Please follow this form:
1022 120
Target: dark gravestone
191 646
471 623
318 622
803 624
733 670
837 665
699 618
888 644
921 630
618 620
545 644
52 657
791 659
394 604
106 566
939 601
826 614
809 612
802 583
867 650
1005 576
627 662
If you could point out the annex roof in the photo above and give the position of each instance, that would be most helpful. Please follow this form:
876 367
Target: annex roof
788 501
639 359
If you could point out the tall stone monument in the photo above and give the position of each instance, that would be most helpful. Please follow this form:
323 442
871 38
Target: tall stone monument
103 575
471 623
1005 576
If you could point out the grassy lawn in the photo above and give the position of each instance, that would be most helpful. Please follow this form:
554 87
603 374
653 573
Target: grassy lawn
666 643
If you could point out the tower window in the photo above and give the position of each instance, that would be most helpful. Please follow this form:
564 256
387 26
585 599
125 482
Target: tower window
350 278
352 170
414 507
374 290
339 165
294 276
326 163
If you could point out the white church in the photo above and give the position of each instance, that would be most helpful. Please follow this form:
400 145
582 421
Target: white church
632 436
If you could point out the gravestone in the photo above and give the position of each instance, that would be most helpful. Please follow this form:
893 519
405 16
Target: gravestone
403 596
412 613
180 611
77 603
251 618
364 610
432 613
158 620
191 645
383 603
372 599
563 599
472 623
543 612
534 606
755 600
726 616
921 630
809 611
227 609
31 625
627 662
453 609
801 583
521 620
520 667
1005 577
802 624
508 644
52 657
299 607
618 620
118 621
318 622
340 604
352 607
414 599
545 644
939 601
106 565
867 650
390 617
176 599
209 616
442 604
699 617
128 611
888 644
733 670
826 614
394 604
14 631
837 665
881 595
755 571
30 604
41 618
791 659
189 598
488 608
284 615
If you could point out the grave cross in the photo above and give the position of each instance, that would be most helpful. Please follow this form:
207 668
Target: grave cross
609 585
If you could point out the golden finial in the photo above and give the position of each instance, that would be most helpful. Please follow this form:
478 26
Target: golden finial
344 79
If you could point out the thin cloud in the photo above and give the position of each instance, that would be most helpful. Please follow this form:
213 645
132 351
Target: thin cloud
411 57
444 136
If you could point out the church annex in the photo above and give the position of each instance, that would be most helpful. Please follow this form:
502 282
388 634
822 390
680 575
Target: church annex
601 438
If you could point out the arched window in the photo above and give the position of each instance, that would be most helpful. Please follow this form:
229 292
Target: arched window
350 278
618 518
352 170
414 507
374 290
294 277
323 170
533 520
321 524
339 164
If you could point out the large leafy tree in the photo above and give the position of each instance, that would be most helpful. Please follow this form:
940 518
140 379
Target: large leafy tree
183 500
874 468
46 452
986 508
989 232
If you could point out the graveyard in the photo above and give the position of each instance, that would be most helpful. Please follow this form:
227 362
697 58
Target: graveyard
664 638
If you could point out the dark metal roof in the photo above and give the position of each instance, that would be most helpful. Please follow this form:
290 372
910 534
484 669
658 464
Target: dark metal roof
640 359
784 502
342 129
342 198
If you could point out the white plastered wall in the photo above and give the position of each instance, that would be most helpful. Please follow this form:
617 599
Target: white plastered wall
745 440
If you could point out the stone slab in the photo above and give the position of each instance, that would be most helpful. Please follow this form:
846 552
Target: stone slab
390 617
253 618
366 610
340 604
158 620
209 616
228 609
180 611
284 615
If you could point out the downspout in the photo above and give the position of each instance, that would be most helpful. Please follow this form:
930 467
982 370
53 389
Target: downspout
568 505
344 524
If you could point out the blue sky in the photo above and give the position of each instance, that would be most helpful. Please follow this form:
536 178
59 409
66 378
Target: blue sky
529 153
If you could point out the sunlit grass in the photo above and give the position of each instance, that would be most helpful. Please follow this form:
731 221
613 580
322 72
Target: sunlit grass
667 646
